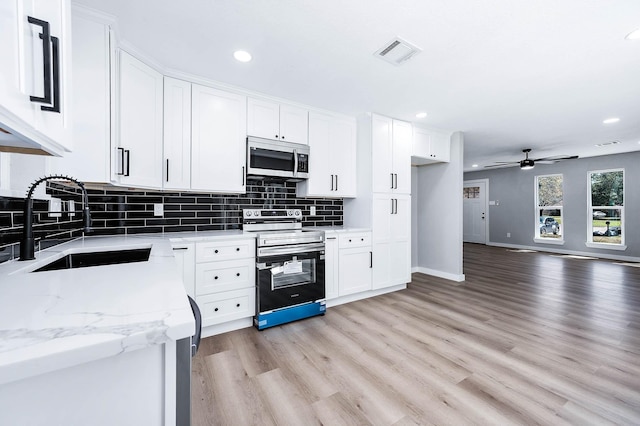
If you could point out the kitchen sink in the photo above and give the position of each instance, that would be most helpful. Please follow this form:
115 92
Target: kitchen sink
97 258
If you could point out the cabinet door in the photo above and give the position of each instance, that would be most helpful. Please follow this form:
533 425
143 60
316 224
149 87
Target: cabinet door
14 95
139 136
383 208
218 134
321 181
55 125
381 153
400 246
343 156
294 124
177 134
421 143
90 159
331 267
441 147
263 119
355 275
402 138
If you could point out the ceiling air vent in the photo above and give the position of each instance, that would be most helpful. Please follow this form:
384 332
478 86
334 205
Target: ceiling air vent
397 51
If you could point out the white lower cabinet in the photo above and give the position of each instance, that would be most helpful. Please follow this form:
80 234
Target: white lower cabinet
354 263
225 280
391 240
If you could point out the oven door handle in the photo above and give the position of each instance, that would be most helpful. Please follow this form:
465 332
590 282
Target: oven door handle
293 249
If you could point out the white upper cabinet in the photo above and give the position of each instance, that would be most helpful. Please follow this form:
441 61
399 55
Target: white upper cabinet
218 140
332 168
177 134
138 138
270 120
90 159
430 146
35 75
391 155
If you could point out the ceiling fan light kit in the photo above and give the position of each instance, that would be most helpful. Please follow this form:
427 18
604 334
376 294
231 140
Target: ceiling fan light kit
527 164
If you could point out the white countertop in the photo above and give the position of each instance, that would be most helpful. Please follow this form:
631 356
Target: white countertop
55 319
340 229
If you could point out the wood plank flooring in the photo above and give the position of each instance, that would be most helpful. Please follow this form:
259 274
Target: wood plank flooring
528 338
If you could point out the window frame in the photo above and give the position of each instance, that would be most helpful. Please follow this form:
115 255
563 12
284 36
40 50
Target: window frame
589 241
536 231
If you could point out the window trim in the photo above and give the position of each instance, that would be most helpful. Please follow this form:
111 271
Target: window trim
536 229
589 241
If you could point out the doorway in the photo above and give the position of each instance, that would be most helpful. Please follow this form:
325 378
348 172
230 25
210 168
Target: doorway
475 211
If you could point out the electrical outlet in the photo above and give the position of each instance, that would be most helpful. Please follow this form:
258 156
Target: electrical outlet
158 209
71 208
312 210
55 207
508 234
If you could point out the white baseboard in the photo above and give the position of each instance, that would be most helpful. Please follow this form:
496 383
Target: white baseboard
441 274
212 330
572 252
364 295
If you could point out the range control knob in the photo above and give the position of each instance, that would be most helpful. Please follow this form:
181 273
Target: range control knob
256 213
297 212
247 213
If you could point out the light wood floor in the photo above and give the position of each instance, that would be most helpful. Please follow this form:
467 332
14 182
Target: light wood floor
528 338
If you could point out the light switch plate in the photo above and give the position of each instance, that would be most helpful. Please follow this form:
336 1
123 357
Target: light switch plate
313 210
158 209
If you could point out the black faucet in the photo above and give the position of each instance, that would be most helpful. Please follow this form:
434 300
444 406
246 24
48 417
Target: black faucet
27 245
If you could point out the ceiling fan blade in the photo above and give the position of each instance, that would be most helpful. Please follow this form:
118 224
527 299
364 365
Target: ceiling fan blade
556 158
501 164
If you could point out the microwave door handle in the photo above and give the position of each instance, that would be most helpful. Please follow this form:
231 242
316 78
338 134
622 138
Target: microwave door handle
295 162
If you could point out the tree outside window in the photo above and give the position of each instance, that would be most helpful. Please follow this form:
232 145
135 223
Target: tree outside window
549 207
606 207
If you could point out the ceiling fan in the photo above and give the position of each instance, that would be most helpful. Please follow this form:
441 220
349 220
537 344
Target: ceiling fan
529 163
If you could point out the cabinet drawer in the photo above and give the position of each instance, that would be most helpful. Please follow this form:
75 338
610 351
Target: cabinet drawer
361 239
224 250
214 277
228 306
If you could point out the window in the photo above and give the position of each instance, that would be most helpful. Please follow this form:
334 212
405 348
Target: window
606 207
549 208
471 192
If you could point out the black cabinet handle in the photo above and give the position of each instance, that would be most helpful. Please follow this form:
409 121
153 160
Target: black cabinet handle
216 251
238 274
237 248
237 305
180 248
332 182
127 154
336 182
55 48
282 137
370 259
276 136
216 309
243 177
391 180
349 239
46 60
167 170
121 172
215 278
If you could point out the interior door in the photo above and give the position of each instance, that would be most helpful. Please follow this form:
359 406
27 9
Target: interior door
475 213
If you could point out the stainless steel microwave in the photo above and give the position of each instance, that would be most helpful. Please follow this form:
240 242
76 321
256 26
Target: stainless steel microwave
271 158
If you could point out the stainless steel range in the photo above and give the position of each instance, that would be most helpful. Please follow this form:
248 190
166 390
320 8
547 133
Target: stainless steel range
289 267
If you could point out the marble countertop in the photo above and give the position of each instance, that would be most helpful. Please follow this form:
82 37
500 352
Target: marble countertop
55 319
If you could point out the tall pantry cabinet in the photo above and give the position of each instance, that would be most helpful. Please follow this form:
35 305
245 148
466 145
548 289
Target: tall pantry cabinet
384 196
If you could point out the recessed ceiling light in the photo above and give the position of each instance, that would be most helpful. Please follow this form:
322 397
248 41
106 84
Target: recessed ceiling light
633 35
242 55
611 120
421 115
475 165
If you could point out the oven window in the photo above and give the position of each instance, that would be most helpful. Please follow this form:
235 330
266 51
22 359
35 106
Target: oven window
292 273
271 160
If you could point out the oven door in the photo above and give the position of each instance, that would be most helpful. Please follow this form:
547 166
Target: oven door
289 279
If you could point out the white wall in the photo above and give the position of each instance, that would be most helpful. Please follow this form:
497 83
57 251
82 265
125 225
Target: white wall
437 227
